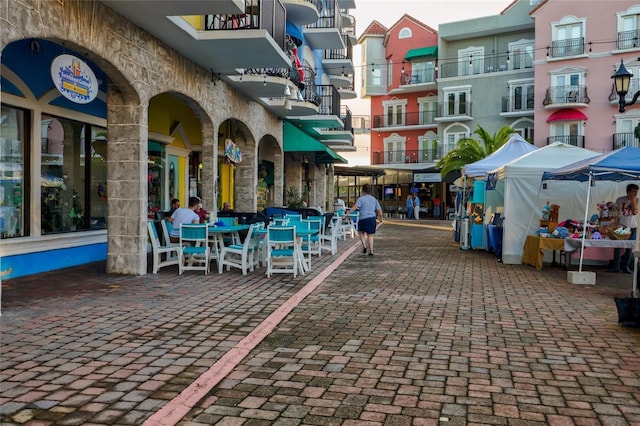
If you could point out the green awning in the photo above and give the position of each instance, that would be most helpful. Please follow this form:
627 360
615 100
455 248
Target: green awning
295 140
422 52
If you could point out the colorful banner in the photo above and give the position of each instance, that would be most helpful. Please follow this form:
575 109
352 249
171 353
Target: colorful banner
232 152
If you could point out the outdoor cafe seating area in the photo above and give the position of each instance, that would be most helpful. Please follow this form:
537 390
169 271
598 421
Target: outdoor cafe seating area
281 243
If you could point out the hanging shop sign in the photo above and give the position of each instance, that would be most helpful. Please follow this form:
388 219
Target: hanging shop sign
231 152
74 79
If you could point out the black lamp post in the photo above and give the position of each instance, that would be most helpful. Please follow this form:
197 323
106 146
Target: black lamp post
621 81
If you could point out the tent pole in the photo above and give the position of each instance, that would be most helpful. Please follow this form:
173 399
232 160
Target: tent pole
585 224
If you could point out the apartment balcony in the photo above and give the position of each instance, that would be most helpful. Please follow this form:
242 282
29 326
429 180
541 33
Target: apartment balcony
566 97
327 99
405 121
620 140
575 140
301 12
340 60
340 138
454 111
206 31
567 48
407 156
303 99
483 65
419 81
628 40
517 107
326 32
345 85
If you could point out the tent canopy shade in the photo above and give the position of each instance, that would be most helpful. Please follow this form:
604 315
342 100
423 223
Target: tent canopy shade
514 148
295 140
619 165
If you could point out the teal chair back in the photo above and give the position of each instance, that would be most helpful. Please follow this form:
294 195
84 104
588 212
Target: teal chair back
228 221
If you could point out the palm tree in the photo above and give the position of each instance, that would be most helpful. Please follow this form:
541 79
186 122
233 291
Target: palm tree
469 150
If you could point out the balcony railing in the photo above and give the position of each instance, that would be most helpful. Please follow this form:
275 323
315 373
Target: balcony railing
628 39
481 64
425 118
621 140
361 123
269 15
418 77
566 95
346 53
568 47
454 109
510 104
345 116
574 140
329 99
329 15
407 156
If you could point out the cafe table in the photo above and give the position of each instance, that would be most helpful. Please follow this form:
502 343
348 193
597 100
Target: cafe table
217 234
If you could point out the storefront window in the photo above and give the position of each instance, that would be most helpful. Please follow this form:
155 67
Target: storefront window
12 172
64 191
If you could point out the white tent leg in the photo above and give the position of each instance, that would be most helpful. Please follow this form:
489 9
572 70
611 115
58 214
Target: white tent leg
585 224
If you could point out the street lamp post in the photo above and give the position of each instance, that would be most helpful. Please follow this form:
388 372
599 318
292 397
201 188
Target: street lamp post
621 80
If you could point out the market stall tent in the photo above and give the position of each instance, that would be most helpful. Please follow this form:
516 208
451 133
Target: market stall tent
513 188
514 148
618 166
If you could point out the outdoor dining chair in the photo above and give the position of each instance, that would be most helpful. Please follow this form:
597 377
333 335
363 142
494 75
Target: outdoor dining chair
194 251
241 256
329 240
282 257
171 253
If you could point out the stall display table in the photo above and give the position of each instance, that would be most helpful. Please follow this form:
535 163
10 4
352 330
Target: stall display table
534 248
573 244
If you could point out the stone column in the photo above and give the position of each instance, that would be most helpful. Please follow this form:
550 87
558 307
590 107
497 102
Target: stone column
209 160
127 153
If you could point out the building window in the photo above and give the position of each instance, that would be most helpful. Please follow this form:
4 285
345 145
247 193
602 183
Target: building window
457 103
521 55
568 38
394 113
73 184
451 139
13 169
376 77
525 132
428 107
569 132
405 33
471 61
394 149
521 96
423 72
566 87
390 73
629 29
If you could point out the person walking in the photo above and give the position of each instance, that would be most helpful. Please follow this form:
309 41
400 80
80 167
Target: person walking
369 209
416 206
627 208
409 207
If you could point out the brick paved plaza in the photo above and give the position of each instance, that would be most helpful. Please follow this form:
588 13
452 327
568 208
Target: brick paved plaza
421 333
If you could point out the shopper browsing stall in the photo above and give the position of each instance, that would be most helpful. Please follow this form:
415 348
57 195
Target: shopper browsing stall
627 209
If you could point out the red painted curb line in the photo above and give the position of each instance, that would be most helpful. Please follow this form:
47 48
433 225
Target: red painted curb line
172 412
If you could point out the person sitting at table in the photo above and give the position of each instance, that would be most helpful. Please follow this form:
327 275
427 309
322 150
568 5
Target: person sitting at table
202 213
175 204
627 208
226 207
183 215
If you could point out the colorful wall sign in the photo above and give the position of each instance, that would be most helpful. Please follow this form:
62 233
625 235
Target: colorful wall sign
74 79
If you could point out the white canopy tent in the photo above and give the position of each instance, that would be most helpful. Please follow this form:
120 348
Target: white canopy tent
513 191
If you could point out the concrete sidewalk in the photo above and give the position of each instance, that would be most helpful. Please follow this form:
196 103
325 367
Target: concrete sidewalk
420 333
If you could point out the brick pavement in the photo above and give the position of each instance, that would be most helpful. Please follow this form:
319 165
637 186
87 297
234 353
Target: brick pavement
421 333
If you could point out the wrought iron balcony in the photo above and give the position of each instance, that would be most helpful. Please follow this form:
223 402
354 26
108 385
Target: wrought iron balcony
621 140
346 53
628 39
269 15
568 47
575 140
346 117
418 77
329 15
426 118
407 156
566 95
517 104
329 100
